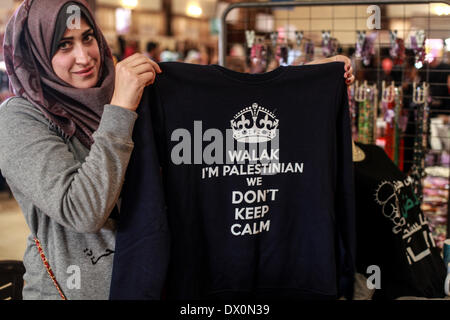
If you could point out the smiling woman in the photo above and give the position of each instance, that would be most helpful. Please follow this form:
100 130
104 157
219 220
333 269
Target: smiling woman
77 59
66 142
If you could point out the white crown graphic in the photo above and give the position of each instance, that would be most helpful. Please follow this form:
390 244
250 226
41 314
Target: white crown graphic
254 124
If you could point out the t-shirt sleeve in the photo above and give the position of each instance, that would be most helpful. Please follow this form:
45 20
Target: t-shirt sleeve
142 242
345 199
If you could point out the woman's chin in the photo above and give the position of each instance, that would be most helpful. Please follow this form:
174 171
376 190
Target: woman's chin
86 83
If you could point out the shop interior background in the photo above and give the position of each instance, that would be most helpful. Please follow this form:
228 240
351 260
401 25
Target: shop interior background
188 31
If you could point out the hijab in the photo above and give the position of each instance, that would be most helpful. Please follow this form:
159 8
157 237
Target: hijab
31 36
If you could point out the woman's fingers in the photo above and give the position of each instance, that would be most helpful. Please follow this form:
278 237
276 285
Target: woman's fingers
156 66
142 68
147 78
138 58
348 75
348 72
143 62
342 58
141 59
131 60
144 73
350 80
132 75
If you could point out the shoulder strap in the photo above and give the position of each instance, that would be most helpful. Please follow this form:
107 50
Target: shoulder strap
49 270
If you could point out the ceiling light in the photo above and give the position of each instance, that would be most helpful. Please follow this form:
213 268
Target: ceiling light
129 4
441 9
194 10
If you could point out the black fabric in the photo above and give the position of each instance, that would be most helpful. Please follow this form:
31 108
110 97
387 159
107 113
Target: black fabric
392 232
11 279
141 252
437 77
2 182
296 240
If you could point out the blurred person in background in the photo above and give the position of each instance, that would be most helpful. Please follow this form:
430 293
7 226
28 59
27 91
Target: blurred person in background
193 56
121 47
180 50
131 47
437 74
152 51
439 79
237 64
204 54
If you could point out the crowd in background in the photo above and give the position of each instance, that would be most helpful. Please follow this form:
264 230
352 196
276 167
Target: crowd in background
184 51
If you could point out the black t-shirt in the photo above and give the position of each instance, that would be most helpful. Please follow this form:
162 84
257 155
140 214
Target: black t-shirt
258 183
392 232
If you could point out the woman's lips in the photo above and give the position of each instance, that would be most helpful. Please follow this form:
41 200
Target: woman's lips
85 72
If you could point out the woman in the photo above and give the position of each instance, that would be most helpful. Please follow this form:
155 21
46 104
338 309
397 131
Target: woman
65 142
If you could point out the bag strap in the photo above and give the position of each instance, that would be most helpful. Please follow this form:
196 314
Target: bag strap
49 270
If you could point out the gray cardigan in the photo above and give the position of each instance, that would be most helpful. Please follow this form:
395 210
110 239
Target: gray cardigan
66 193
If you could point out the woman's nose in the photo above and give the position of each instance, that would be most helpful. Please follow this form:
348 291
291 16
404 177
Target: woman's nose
81 54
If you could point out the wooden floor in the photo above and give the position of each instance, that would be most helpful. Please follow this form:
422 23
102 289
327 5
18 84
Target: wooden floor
13 229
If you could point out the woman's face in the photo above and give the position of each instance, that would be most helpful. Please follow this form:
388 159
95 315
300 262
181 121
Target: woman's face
77 59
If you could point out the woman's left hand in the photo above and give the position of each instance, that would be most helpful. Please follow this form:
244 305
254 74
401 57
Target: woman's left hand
348 75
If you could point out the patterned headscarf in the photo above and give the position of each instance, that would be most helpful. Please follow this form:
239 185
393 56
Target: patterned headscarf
27 51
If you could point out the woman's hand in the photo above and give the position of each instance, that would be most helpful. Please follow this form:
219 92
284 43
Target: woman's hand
348 75
133 74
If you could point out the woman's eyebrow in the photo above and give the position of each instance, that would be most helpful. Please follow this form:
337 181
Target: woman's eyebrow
87 31
71 38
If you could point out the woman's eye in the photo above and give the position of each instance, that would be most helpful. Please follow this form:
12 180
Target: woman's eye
64 45
88 37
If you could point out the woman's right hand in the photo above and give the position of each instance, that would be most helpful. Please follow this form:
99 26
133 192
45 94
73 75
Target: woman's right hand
133 74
